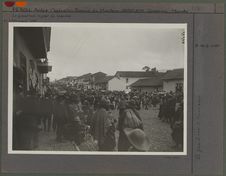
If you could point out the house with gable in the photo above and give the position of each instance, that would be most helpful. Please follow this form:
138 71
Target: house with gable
103 83
173 80
95 78
148 84
82 82
88 81
123 79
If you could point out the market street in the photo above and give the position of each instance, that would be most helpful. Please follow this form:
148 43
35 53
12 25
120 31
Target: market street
158 132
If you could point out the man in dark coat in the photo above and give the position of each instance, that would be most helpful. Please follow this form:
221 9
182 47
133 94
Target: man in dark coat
46 109
177 127
28 123
171 108
100 125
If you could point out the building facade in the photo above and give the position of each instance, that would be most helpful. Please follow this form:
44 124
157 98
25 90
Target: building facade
82 82
88 81
148 85
30 62
123 79
173 80
96 78
103 83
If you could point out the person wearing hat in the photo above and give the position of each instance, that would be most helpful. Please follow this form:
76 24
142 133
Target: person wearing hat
101 123
177 127
28 123
129 118
171 107
138 140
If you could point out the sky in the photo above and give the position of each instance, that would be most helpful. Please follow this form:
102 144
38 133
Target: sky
80 48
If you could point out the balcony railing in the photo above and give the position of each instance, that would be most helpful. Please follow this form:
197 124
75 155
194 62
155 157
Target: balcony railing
44 68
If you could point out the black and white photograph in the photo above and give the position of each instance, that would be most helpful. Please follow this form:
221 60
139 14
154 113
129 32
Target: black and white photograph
97 88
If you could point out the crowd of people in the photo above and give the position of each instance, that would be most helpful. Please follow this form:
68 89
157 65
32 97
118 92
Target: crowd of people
75 114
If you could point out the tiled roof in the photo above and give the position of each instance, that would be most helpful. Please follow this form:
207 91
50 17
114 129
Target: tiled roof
104 79
174 74
98 74
149 82
85 76
68 78
137 74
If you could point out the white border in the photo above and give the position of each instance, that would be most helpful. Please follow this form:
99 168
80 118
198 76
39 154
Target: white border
51 24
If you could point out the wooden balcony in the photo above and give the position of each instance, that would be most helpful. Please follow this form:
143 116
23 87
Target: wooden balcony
44 68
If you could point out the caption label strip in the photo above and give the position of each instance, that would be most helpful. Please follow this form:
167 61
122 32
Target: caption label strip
17 4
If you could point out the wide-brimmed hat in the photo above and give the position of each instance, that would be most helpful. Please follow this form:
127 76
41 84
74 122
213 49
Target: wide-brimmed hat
137 138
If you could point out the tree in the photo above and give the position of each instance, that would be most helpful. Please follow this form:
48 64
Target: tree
146 68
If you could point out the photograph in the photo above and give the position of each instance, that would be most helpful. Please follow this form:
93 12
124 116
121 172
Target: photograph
97 88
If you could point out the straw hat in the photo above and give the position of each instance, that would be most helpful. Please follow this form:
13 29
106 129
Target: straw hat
137 138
